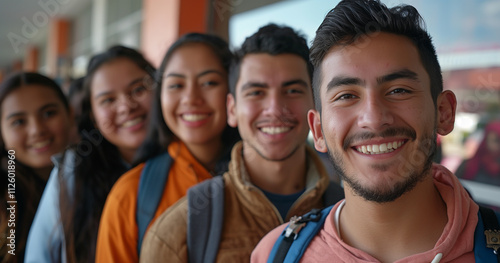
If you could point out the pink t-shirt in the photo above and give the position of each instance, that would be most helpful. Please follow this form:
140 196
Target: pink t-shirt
455 244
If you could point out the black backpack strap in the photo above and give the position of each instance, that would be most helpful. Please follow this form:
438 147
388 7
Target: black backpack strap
205 220
333 193
154 177
491 230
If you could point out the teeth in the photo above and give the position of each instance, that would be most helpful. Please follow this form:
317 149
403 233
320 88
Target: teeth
379 148
40 144
131 123
194 117
383 147
275 130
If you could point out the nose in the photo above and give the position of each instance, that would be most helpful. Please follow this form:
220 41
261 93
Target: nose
126 103
37 127
193 94
374 113
275 105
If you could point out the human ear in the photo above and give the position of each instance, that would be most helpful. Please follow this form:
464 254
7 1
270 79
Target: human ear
314 120
232 119
446 110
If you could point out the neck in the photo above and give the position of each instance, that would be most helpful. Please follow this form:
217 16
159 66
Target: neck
409 225
280 177
44 172
207 154
127 154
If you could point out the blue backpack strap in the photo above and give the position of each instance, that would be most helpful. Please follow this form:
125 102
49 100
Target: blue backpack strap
293 242
154 177
333 194
487 236
205 220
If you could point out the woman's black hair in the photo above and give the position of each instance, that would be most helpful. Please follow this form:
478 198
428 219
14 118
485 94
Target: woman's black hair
98 166
159 135
29 184
21 79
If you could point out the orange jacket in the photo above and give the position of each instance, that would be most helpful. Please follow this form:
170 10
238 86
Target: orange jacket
118 232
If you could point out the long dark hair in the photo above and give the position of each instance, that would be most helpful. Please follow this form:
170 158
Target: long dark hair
159 135
29 185
97 167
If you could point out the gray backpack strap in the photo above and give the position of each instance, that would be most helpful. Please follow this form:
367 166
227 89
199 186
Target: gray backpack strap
333 194
205 220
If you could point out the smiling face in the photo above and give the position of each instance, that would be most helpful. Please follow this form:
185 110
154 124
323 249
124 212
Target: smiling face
378 120
35 124
193 95
273 95
120 100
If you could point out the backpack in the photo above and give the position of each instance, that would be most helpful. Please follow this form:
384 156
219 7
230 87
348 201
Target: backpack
292 243
152 183
206 213
154 177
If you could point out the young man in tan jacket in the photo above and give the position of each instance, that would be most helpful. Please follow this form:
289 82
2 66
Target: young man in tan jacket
273 174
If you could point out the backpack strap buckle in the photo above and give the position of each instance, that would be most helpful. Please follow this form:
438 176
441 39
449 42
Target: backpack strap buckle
293 229
298 222
493 240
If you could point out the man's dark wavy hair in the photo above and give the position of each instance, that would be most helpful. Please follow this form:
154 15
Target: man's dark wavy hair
352 19
270 39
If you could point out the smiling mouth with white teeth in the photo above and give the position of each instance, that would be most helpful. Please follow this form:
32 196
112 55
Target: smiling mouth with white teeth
194 117
39 145
275 130
132 122
379 148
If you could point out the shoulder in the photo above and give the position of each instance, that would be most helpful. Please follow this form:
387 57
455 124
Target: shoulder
263 249
170 228
127 185
166 239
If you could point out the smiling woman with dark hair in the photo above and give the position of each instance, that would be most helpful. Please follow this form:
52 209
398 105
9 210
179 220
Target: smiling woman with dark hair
35 123
188 127
112 126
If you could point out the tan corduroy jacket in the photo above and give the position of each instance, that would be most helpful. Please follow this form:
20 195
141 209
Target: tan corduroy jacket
248 215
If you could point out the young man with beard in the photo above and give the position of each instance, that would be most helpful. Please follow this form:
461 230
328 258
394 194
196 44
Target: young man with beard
273 174
379 104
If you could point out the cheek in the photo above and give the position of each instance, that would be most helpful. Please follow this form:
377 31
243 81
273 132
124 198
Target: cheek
12 139
248 112
61 126
219 103
167 109
335 128
104 119
146 100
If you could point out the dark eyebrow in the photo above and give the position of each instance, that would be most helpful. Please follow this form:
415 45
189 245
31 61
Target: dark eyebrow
249 85
48 105
343 81
15 114
135 81
210 71
22 113
130 84
293 82
400 74
178 75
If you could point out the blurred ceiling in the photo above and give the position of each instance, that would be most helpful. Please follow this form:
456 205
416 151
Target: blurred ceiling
25 22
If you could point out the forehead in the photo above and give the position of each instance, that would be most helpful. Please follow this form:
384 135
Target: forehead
272 70
29 97
371 57
193 57
116 75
